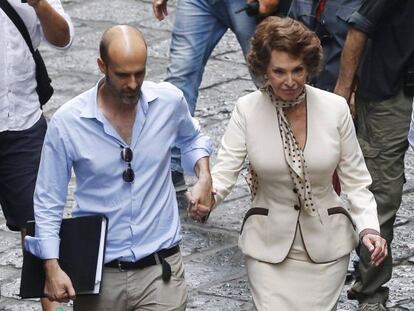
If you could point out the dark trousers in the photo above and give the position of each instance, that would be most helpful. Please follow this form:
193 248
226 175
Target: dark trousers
382 133
19 162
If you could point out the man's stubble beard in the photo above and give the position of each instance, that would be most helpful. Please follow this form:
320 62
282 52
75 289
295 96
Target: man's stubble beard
119 93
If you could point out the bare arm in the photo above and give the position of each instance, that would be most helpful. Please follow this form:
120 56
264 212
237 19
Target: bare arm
55 27
350 59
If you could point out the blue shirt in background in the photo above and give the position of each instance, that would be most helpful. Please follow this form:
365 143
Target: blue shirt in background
143 215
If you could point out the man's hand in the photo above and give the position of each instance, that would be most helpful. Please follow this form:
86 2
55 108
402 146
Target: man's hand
267 7
377 246
200 200
34 3
160 9
58 286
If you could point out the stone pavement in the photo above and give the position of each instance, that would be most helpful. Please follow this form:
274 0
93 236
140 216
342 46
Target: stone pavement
215 269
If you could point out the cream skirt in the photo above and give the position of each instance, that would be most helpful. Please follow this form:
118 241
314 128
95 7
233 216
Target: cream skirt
296 283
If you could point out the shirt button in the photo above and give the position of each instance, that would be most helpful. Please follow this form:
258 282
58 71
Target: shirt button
296 207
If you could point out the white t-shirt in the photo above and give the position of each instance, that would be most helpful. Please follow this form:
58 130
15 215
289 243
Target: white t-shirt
19 103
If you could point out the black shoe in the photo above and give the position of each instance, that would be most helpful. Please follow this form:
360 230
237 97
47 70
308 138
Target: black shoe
178 181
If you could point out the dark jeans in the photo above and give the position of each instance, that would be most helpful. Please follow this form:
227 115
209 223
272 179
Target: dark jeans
19 162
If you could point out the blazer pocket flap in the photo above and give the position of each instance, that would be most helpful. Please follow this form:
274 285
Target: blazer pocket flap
343 211
254 211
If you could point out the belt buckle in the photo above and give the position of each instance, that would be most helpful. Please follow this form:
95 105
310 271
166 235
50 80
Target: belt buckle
120 266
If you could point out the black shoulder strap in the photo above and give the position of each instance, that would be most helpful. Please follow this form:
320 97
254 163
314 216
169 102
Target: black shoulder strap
18 22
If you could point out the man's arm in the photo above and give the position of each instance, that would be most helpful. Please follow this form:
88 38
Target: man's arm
363 23
160 9
49 200
54 25
350 60
196 149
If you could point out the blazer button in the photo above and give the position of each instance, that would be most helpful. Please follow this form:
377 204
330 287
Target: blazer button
297 207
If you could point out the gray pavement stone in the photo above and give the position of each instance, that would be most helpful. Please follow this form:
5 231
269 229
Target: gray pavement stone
215 269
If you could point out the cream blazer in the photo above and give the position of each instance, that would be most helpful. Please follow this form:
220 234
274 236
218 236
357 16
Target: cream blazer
270 224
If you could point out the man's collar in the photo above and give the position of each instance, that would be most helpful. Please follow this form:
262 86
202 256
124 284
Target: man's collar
91 110
147 96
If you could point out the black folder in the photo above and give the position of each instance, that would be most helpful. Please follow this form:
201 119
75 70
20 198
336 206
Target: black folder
81 256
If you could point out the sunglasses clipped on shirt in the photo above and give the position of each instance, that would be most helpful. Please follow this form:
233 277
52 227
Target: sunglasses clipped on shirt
126 154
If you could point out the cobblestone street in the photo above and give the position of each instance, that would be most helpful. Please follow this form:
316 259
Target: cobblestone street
215 270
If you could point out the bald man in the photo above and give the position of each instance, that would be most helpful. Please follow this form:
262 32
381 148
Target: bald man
117 138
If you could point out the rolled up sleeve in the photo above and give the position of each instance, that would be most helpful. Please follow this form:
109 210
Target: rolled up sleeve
42 248
193 144
368 16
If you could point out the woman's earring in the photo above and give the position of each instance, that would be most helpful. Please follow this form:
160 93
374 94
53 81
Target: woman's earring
265 77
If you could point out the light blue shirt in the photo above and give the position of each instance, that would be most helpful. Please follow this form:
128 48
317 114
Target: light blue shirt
143 215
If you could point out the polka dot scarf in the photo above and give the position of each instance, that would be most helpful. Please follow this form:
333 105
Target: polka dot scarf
293 154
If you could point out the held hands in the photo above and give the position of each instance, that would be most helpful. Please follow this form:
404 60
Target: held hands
58 286
160 9
377 246
200 200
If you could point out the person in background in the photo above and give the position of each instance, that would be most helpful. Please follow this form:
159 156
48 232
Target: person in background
298 234
199 26
22 124
328 18
376 59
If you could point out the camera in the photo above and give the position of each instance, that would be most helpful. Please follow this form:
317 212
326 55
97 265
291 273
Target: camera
252 9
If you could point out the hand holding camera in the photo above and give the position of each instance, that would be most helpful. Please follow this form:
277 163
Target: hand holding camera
262 8
32 3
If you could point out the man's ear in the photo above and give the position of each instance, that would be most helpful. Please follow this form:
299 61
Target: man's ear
101 65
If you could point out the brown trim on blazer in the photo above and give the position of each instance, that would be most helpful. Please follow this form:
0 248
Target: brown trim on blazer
254 211
341 210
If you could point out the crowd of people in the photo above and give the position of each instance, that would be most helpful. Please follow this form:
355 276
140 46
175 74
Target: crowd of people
323 137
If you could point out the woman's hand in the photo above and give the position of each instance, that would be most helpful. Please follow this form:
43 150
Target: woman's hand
377 246
200 200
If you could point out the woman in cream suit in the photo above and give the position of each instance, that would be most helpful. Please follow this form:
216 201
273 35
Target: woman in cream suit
298 234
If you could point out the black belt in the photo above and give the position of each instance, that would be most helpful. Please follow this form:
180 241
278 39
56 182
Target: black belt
150 260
